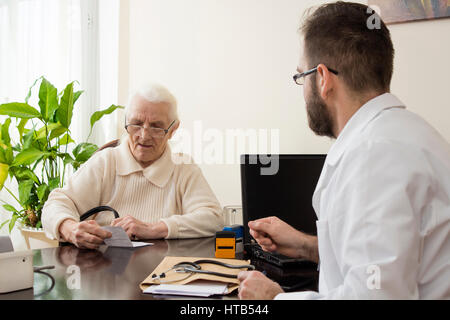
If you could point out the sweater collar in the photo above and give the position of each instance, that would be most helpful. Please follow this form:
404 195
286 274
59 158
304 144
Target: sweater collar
158 172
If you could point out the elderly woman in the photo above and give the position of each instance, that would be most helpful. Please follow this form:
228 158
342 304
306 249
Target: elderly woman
156 196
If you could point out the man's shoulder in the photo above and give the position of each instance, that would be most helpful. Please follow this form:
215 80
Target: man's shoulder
399 139
400 127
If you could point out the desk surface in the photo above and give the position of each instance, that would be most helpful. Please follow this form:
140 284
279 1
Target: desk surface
112 273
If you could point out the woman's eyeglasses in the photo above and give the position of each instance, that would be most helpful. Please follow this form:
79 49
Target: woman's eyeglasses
153 131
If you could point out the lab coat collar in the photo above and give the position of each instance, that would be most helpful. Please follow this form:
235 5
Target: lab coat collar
358 122
158 172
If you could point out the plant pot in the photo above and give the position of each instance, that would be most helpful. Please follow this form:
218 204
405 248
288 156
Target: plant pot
35 238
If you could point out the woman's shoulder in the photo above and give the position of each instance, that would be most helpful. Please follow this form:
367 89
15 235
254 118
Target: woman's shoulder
103 157
184 162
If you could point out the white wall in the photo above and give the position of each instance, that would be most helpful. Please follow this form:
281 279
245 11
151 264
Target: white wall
230 64
422 70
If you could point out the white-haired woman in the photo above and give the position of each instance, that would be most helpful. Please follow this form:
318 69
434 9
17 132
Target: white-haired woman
155 196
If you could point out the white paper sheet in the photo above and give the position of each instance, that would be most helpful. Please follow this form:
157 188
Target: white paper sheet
138 244
199 288
120 238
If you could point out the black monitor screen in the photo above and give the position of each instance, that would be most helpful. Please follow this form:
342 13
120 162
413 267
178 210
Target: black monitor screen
284 191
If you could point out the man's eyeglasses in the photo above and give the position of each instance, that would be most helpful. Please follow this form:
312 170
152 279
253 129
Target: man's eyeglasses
299 78
153 131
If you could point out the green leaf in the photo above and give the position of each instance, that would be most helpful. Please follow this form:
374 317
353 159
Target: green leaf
43 192
53 183
2 155
76 95
57 132
28 138
67 159
9 207
17 147
19 110
25 174
21 128
9 155
29 91
99 114
76 165
4 168
44 131
48 100
66 140
25 190
84 151
4 222
12 222
28 156
65 110
39 224
5 131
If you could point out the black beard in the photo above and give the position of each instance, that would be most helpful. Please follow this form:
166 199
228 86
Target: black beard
319 118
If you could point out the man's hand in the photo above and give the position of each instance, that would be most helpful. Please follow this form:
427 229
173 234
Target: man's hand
273 234
140 230
256 286
85 234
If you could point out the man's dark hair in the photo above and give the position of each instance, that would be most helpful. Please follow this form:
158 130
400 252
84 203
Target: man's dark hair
339 36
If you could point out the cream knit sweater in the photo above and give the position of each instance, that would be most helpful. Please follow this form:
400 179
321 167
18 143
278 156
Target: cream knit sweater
174 193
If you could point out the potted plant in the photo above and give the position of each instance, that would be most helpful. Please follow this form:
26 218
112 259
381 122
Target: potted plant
38 158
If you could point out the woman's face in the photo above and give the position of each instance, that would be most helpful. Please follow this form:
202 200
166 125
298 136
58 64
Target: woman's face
145 147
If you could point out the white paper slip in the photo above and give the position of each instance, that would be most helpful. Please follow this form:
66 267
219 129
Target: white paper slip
138 244
119 237
199 288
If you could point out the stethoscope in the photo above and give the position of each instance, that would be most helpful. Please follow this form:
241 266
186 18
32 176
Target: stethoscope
195 267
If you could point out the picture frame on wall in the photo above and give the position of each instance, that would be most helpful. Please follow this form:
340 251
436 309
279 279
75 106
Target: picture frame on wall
399 11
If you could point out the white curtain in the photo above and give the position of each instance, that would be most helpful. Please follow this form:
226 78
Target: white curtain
63 40
38 38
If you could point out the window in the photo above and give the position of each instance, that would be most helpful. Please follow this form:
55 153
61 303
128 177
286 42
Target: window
63 40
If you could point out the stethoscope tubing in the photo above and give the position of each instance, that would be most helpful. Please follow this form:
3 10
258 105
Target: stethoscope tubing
194 267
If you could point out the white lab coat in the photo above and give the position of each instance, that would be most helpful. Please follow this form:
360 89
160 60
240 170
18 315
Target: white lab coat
383 208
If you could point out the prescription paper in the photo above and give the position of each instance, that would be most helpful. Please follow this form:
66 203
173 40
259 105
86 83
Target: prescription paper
198 288
120 238
169 261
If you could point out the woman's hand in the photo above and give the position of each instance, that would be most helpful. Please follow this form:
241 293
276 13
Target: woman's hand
85 234
137 229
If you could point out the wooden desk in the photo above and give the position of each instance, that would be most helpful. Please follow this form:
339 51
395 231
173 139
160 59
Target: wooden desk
109 273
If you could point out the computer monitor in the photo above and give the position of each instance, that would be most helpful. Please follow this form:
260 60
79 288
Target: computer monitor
286 192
